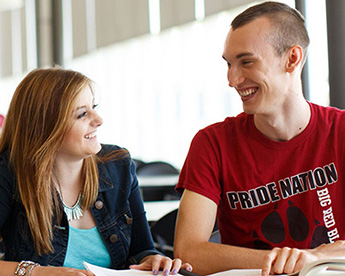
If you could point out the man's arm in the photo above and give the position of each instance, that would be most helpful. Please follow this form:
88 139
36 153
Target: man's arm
195 222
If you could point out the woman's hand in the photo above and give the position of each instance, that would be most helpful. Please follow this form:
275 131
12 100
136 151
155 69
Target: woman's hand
157 262
59 271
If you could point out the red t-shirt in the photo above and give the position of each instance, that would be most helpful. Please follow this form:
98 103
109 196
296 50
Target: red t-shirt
272 194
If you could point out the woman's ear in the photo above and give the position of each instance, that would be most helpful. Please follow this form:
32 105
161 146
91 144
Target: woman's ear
294 58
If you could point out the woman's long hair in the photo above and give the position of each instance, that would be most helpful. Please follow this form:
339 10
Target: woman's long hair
33 132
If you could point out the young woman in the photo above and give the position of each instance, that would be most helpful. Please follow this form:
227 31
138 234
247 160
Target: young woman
64 197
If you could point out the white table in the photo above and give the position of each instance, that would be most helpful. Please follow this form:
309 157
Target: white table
166 180
157 209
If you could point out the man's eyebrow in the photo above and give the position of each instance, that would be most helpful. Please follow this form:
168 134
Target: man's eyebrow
246 54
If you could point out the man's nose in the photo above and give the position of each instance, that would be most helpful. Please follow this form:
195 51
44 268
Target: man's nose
235 76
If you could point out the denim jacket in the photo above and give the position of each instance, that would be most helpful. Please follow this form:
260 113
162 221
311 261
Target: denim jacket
118 212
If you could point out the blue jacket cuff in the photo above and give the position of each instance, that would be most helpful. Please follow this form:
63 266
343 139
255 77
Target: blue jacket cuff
137 258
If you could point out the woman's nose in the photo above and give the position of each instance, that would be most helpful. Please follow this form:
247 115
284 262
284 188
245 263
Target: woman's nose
97 120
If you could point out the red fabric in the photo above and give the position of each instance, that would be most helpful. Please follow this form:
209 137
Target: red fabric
272 193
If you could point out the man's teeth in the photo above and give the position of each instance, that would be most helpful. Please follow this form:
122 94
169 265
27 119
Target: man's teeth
247 92
90 136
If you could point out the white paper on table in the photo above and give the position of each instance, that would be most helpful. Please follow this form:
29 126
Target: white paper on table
239 272
101 271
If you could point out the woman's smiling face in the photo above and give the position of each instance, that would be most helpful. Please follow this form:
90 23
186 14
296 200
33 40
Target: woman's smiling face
81 138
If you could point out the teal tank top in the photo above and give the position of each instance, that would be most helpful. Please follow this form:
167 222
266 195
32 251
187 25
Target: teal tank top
86 245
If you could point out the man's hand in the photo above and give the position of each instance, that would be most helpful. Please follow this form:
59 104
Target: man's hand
288 260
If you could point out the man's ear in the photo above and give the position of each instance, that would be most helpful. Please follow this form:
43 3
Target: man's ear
294 58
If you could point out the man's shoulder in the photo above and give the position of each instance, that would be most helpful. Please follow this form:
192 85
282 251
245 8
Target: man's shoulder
227 124
328 113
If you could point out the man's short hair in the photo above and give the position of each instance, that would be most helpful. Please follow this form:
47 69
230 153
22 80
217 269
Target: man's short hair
288 25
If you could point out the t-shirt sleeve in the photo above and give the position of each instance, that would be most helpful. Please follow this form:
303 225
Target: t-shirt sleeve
201 170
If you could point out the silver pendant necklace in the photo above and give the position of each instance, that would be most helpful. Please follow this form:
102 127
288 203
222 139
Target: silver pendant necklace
74 212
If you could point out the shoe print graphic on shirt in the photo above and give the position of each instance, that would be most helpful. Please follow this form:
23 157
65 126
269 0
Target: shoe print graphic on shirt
272 228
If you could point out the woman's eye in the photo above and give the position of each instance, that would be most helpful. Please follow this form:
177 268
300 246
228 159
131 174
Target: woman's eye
82 115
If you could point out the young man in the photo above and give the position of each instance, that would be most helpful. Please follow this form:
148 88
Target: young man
273 175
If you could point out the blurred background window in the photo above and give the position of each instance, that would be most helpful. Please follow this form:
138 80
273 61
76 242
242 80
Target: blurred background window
157 64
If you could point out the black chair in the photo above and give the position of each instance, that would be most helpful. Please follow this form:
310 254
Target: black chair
138 163
163 233
160 192
157 168
215 236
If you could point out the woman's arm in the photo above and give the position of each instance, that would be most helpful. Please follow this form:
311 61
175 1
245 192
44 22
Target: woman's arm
9 268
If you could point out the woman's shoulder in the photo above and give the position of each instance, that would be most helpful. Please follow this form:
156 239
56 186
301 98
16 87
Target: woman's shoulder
114 162
106 148
113 153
